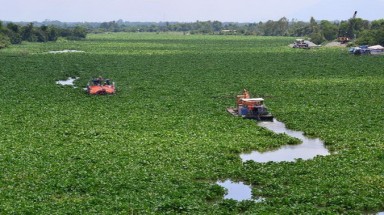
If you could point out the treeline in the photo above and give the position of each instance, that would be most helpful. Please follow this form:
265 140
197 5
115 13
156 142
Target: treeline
12 33
364 31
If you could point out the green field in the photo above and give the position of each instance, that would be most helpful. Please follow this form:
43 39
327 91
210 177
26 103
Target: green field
160 144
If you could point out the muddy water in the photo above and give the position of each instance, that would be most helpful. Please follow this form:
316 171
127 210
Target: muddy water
68 82
308 149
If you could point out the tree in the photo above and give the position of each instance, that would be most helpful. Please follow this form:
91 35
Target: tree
367 37
282 27
217 26
298 29
41 33
269 28
52 33
343 29
377 24
27 33
329 30
110 26
4 40
373 36
79 33
317 38
353 27
313 25
13 33
316 35
13 27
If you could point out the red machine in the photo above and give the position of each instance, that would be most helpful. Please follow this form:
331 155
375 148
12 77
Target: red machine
100 86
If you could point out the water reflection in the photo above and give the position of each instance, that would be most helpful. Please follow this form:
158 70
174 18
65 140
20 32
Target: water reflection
236 190
308 149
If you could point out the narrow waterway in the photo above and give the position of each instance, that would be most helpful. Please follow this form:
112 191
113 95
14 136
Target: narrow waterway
308 149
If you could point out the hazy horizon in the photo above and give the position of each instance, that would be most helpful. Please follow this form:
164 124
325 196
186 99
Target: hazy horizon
186 11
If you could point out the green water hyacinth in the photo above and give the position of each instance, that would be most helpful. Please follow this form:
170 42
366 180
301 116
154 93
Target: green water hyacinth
162 141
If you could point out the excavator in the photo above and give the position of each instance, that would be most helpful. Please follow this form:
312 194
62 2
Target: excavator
250 108
344 38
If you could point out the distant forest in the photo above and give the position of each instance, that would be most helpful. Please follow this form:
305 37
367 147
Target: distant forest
318 31
16 33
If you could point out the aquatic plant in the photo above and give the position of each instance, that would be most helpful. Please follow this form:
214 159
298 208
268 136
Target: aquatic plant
159 145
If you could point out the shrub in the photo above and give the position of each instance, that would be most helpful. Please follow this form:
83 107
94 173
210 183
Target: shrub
4 41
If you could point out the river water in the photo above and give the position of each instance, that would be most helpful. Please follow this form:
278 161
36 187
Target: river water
308 149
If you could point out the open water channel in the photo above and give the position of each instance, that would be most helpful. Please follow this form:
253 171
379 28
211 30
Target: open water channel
308 149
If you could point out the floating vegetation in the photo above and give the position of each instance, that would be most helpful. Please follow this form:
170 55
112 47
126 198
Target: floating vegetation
155 147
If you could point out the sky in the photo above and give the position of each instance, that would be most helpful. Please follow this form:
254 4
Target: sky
187 10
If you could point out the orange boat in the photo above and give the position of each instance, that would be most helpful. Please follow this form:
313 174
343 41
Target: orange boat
250 108
100 87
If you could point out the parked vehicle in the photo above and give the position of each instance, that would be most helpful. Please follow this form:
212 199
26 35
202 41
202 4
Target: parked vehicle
300 43
360 50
